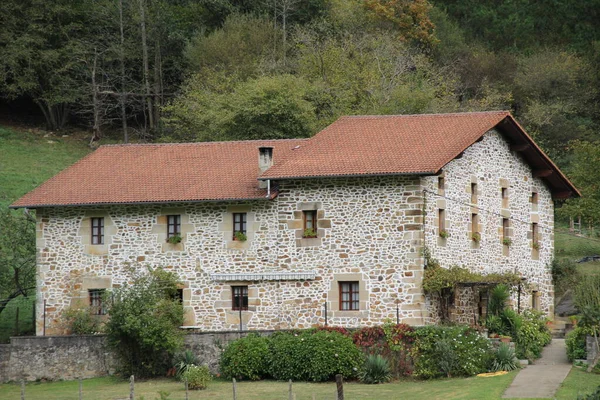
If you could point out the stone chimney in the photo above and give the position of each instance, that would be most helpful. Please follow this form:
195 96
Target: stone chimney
265 161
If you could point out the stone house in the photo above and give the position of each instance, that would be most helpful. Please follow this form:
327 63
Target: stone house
276 231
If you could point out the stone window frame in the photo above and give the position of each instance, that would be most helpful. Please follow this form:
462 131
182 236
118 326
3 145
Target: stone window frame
297 224
226 226
85 232
504 193
474 192
441 184
313 222
506 232
242 224
161 230
441 222
535 300
333 296
475 228
173 220
97 230
535 198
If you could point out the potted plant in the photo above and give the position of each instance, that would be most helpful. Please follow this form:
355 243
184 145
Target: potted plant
240 236
507 241
505 339
476 236
536 245
309 233
174 239
444 234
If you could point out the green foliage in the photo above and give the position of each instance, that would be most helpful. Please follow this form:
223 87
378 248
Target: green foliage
144 324
375 370
504 359
576 343
309 233
183 361
80 321
531 335
197 377
437 278
494 324
498 297
564 274
595 395
449 351
246 358
241 236
444 234
507 241
174 239
587 293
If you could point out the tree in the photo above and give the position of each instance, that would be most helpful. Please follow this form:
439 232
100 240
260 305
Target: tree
144 323
17 256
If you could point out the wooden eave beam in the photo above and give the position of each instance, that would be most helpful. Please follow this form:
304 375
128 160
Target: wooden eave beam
519 147
562 195
542 173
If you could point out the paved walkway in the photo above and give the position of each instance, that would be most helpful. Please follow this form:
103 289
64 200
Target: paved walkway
542 379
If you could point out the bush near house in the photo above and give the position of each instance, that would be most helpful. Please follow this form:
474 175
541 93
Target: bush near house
576 343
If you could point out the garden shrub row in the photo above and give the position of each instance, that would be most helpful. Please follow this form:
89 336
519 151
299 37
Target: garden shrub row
318 355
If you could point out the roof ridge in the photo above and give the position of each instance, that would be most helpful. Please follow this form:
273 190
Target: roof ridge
454 114
199 143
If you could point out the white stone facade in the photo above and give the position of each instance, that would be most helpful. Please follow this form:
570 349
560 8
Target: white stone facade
370 230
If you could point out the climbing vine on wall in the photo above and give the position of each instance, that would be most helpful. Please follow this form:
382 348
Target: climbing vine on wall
437 278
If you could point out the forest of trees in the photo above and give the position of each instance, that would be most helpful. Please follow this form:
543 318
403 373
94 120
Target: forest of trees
202 70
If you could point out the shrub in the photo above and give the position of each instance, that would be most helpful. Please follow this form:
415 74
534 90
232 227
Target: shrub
331 353
595 395
144 324
197 377
504 359
287 357
494 324
498 297
449 351
511 321
564 274
246 358
576 343
376 370
531 335
80 321
183 361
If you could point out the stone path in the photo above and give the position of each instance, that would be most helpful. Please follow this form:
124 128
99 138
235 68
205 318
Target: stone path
542 379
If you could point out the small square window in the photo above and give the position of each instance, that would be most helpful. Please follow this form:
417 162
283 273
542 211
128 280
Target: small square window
97 305
239 298
442 222
239 224
349 296
310 223
97 230
173 225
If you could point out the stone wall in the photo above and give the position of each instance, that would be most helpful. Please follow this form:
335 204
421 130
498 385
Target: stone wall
488 166
368 231
55 358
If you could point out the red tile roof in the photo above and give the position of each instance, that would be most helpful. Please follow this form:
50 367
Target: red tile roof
407 144
351 146
157 173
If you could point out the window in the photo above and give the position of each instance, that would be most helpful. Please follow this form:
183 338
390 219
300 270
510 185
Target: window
349 296
239 224
504 195
475 235
173 225
442 222
534 201
239 297
310 223
96 303
97 230
473 193
535 301
505 226
441 184
534 234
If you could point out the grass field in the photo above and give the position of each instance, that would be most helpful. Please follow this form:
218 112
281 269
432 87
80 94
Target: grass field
28 159
578 382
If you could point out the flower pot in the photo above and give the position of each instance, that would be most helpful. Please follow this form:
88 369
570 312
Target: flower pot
505 340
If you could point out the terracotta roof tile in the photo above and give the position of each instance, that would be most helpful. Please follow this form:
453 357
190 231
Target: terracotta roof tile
156 173
389 144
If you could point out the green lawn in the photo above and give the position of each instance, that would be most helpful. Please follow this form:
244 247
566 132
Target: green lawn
110 388
28 159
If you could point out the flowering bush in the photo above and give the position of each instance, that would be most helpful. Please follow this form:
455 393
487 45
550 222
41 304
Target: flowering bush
246 358
531 335
197 377
450 351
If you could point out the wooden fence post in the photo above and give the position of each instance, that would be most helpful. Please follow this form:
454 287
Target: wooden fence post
80 390
234 390
290 395
186 390
22 389
340 387
131 388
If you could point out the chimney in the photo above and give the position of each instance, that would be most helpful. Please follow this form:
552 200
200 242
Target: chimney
265 161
